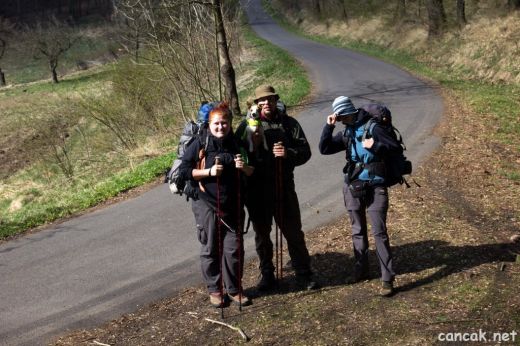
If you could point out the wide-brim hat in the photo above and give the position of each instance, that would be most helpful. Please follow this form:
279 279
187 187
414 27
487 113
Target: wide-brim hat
342 105
265 91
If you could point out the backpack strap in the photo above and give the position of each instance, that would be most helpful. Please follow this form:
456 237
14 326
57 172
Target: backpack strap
368 128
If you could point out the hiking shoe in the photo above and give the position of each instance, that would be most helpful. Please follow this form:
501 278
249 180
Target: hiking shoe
267 282
217 300
387 289
307 282
245 300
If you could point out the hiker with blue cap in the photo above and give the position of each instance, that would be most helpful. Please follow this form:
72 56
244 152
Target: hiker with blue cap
364 190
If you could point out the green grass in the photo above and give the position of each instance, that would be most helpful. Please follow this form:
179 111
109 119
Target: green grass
278 68
21 66
55 197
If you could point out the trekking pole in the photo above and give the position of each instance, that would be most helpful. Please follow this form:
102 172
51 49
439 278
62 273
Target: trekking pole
239 238
278 216
220 246
280 211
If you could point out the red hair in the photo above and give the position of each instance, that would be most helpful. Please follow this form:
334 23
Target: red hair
221 110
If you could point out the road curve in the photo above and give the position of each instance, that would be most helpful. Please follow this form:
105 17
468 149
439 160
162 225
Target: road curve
93 268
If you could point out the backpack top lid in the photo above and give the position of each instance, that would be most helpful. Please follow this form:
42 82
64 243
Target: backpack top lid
204 110
379 112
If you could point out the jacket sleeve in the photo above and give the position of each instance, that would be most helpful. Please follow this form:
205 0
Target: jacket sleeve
190 158
384 142
331 145
298 151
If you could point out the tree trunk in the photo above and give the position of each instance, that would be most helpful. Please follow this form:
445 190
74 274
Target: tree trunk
400 11
514 4
461 12
317 8
54 66
2 78
226 66
345 13
436 17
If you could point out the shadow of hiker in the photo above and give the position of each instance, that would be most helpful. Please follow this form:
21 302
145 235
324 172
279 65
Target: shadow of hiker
329 269
416 257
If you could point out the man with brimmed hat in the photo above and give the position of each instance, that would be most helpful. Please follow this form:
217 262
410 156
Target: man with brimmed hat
271 191
364 190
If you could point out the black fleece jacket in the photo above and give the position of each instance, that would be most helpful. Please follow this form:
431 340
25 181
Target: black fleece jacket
229 182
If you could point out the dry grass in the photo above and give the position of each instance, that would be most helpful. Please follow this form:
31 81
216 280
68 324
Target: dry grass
486 49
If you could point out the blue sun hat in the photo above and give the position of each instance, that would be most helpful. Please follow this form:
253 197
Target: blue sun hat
342 105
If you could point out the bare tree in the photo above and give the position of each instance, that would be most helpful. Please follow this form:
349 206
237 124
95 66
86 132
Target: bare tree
189 41
461 12
436 17
226 66
51 40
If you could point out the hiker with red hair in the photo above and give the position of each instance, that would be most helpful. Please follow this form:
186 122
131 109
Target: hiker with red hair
216 165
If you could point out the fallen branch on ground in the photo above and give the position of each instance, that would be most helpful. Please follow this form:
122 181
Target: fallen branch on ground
242 334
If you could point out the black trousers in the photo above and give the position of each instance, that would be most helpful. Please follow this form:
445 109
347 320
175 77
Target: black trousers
221 248
287 217
375 203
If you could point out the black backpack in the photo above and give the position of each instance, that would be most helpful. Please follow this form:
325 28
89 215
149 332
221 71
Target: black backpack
396 165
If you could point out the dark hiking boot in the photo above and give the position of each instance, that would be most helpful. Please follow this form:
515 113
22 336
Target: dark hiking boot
387 289
307 282
267 282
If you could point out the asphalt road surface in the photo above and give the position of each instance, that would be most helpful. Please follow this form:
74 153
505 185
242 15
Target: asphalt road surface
93 268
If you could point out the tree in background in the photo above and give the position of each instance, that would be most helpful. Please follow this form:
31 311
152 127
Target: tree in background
6 29
189 42
514 4
436 17
51 40
226 66
461 12
400 11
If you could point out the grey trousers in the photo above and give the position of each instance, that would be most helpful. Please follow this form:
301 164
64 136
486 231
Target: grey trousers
291 228
375 203
214 255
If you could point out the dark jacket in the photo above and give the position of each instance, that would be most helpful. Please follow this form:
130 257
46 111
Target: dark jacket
287 130
385 144
229 181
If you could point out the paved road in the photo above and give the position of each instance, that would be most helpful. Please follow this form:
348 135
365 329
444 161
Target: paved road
95 267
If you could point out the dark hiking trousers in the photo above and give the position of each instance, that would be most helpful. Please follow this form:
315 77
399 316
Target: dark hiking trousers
208 235
291 228
375 203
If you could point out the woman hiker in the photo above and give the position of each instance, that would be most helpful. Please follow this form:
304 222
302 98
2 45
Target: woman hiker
216 164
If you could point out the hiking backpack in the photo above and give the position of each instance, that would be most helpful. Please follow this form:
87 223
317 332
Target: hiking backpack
192 130
396 165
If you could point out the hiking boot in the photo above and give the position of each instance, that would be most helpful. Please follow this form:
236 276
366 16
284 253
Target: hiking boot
267 282
245 300
387 289
307 282
217 300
